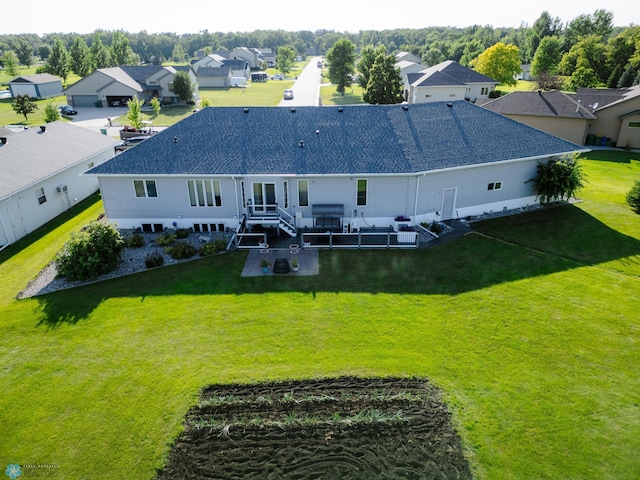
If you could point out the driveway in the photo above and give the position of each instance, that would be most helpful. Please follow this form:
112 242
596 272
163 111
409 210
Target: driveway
306 89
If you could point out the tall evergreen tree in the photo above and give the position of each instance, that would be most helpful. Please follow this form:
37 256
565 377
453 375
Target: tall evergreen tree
366 61
385 83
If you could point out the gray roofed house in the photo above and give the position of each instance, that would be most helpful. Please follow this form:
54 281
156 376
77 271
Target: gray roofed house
41 170
426 161
556 113
39 85
447 81
617 114
116 85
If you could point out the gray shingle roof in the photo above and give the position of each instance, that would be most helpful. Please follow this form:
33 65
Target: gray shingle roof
31 155
364 139
539 104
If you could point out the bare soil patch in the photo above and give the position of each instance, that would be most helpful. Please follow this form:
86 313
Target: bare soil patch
347 427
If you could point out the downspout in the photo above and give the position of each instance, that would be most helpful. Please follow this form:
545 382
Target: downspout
415 206
235 186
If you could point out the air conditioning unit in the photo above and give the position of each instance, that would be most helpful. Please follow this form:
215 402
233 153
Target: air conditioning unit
61 188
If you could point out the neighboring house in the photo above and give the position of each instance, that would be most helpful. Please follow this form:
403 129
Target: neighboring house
40 85
553 112
618 115
222 167
41 170
250 55
267 55
406 67
116 85
525 72
447 81
216 71
407 57
213 60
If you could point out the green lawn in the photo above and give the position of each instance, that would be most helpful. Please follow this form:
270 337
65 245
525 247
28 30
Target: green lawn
531 329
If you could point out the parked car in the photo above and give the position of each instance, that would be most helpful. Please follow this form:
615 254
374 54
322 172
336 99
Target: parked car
277 77
68 110
288 94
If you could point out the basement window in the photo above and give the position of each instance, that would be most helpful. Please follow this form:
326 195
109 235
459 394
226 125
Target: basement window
494 186
41 196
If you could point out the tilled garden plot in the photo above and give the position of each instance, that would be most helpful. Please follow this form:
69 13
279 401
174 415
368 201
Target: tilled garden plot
342 428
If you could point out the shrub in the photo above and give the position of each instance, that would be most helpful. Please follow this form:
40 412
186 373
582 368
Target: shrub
182 233
212 248
165 239
633 197
135 241
94 250
436 228
153 260
181 250
559 179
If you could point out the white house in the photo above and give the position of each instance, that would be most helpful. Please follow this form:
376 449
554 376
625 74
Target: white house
41 174
447 81
229 167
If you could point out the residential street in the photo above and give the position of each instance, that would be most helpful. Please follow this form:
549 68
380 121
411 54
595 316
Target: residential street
306 89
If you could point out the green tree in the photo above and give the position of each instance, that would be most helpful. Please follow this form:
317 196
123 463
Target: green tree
559 179
633 197
10 62
600 24
155 104
366 61
341 58
285 58
23 105
544 26
590 52
583 77
627 78
94 250
100 53
182 87
51 113
547 56
134 114
500 62
178 54
59 62
81 59
44 51
385 83
24 51
121 53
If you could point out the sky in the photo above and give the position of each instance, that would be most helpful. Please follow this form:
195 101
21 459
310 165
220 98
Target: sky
157 16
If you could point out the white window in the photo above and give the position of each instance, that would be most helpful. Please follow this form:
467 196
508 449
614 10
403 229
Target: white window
285 194
145 188
494 186
361 192
303 193
41 196
204 193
